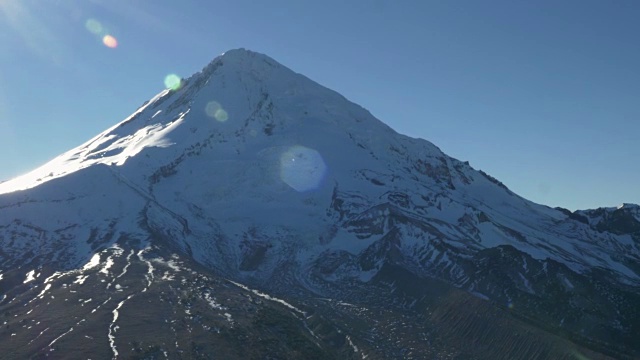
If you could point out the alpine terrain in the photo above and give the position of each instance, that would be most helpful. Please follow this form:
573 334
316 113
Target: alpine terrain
254 214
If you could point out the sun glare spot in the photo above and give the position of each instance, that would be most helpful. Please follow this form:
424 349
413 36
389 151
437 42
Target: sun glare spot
302 168
215 110
173 82
110 41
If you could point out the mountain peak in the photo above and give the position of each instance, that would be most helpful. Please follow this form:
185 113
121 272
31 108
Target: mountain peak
241 59
239 53
242 55
629 206
259 174
239 98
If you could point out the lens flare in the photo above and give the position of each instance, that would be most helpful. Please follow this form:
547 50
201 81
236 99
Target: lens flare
215 110
94 26
302 168
110 41
173 82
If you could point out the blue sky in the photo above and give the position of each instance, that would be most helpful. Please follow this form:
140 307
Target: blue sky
543 95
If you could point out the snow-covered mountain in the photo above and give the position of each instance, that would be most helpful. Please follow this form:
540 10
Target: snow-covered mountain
254 177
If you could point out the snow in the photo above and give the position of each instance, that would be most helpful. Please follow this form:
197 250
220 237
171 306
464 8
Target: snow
40 334
81 279
58 338
568 283
272 165
93 262
106 148
108 264
113 328
480 295
54 276
353 346
149 275
212 302
526 284
269 297
46 288
366 276
30 276
302 168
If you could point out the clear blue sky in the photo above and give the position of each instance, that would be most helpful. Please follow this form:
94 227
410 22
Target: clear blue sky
543 95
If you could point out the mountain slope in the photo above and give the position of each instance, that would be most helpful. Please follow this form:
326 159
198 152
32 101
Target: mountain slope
263 177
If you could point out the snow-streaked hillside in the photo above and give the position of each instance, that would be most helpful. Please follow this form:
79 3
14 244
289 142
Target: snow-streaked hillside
264 176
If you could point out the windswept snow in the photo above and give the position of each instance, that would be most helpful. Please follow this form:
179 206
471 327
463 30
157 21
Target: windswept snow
108 148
